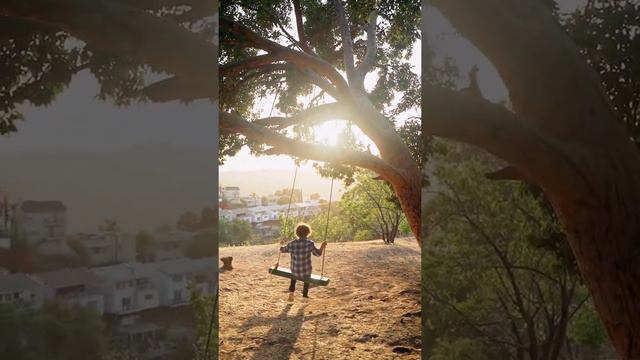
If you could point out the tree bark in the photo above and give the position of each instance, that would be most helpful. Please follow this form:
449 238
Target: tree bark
589 169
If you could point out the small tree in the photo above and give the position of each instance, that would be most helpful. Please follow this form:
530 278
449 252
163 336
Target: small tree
235 232
188 222
491 285
371 205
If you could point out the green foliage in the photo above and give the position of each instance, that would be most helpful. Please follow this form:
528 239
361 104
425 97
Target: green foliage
338 230
397 86
188 222
206 331
57 331
234 233
38 62
208 218
371 207
204 244
586 329
606 31
285 194
487 282
460 349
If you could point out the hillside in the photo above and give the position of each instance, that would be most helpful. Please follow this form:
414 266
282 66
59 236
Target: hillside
369 310
139 186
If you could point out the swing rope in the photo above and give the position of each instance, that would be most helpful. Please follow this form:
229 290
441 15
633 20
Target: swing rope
326 227
286 219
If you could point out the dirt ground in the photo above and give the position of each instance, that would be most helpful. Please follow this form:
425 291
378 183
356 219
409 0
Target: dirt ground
369 310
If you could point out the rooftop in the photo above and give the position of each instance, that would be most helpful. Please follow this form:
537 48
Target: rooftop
128 271
186 265
43 206
18 282
68 277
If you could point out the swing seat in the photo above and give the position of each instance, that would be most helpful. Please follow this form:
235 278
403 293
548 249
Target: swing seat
286 273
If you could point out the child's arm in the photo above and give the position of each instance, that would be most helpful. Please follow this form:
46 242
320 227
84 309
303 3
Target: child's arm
284 249
318 252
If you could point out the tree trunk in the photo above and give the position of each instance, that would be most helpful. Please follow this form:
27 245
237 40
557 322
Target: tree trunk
564 137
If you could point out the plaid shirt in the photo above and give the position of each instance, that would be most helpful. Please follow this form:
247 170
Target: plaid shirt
301 250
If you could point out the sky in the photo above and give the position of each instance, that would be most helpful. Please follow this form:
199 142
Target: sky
77 119
141 165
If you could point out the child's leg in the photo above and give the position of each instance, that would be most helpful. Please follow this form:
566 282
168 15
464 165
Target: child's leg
292 288
305 290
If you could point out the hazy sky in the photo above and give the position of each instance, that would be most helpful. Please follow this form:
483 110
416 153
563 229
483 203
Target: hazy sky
78 119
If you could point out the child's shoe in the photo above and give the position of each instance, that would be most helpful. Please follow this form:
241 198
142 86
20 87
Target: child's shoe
290 299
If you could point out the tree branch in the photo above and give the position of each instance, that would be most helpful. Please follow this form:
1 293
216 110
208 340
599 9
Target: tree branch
123 30
176 88
283 145
314 115
303 60
466 118
238 67
370 56
302 39
508 172
347 41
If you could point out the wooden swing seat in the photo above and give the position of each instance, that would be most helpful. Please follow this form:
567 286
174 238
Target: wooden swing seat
286 272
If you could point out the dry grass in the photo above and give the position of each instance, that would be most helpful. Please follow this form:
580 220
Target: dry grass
369 310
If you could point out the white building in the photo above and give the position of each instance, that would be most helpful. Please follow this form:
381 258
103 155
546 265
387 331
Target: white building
251 200
22 288
259 214
175 276
108 247
128 288
171 244
74 286
43 225
231 193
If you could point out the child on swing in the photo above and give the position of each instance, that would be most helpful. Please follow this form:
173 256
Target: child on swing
301 250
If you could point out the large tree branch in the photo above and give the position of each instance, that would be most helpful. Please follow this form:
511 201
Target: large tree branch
476 121
314 115
515 35
281 144
347 41
311 76
370 56
302 39
238 67
123 30
304 60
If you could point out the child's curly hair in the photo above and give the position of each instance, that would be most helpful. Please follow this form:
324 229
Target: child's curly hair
303 230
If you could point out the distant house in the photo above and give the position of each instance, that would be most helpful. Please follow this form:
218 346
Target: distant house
231 193
128 288
22 288
108 247
43 225
251 200
171 244
174 276
77 286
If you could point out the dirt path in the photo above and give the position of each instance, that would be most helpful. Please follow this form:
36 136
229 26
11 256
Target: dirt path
369 310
